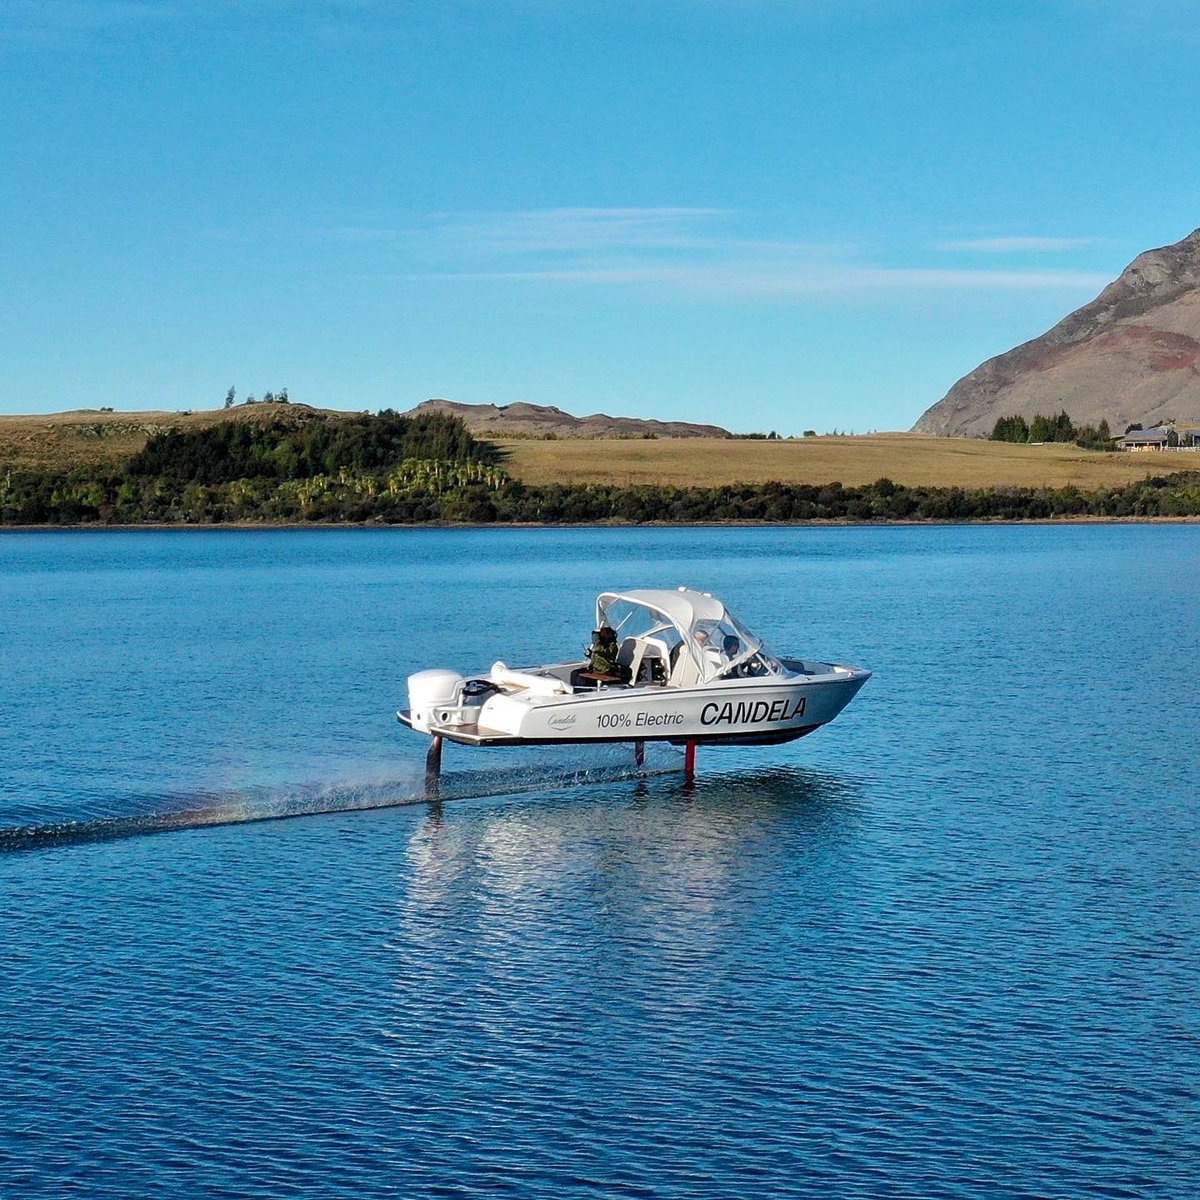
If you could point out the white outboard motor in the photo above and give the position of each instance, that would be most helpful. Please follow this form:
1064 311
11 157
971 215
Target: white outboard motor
430 693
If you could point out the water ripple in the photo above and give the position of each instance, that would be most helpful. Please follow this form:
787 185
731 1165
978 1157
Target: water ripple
945 949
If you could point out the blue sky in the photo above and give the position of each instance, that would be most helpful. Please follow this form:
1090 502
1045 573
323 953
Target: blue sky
760 213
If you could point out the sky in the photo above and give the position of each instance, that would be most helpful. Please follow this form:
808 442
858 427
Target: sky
764 214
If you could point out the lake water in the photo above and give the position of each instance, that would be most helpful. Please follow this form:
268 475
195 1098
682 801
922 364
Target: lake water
948 946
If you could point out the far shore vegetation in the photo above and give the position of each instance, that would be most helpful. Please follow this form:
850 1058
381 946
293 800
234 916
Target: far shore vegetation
313 467
1061 429
1054 429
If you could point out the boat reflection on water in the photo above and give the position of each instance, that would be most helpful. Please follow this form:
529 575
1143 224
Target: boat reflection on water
655 843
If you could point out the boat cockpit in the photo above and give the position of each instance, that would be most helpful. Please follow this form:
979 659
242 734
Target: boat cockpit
674 639
681 639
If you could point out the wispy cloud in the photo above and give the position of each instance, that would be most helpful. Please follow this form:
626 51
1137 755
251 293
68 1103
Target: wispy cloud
798 280
582 230
1017 245
700 252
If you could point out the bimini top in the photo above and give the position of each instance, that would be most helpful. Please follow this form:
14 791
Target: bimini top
682 607
714 640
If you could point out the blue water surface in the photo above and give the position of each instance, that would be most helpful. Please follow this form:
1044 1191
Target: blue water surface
948 946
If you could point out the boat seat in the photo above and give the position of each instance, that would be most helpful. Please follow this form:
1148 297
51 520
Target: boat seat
626 652
638 656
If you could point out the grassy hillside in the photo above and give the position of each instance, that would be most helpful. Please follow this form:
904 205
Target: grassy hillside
911 460
281 465
98 440
278 464
89 438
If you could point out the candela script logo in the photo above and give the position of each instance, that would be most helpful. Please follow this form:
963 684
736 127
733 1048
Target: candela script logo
562 721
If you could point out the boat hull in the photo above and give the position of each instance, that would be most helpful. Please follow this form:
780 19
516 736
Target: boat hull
734 712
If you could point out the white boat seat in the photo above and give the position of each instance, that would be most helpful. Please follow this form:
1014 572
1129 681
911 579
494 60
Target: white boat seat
637 654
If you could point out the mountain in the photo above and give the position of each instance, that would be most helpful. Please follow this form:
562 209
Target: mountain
538 421
1132 354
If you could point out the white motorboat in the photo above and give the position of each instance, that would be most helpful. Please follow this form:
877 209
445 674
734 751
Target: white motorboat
686 672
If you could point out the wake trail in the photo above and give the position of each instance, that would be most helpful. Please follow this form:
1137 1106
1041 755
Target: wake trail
282 804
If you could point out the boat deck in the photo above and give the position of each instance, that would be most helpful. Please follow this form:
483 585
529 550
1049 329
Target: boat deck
481 737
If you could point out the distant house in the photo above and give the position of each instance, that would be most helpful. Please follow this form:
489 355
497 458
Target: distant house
1144 439
1184 434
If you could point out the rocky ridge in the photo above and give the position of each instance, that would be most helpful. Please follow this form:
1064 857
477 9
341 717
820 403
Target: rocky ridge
540 421
1132 354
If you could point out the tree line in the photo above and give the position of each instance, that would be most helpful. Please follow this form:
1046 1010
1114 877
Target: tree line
432 491
428 468
286 450
1054 429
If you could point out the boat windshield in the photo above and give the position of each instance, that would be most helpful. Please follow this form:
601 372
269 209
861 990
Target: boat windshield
730 650
631 619
716 643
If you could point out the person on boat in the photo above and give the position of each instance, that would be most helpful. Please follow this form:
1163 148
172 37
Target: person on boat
708 649
602 653
731 649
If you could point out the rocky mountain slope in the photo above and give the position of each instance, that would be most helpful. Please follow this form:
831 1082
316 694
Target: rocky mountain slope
1132 354
539 421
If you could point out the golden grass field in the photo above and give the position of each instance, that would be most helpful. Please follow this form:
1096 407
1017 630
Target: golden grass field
93 439
904 458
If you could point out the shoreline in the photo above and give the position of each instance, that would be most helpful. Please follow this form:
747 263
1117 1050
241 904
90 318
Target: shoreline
381 526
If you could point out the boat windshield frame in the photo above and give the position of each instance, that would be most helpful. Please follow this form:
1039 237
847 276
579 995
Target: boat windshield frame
701 621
